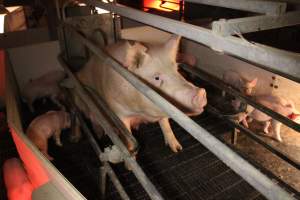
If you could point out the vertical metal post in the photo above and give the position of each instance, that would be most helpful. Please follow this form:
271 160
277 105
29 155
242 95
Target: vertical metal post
181 10
102 181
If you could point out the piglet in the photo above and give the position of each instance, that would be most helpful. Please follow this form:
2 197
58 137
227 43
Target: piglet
278 104
16 181
45 126
44 86
238 82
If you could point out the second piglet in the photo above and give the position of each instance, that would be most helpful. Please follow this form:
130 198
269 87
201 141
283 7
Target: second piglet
278 104
239 82
45 126
44 86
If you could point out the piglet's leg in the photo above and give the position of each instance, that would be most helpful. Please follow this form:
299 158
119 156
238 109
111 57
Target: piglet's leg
276 126
44 149
266 127
57 138
169 136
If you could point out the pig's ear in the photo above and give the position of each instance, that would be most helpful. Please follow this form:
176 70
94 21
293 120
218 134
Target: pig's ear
252 83
136 56
172 46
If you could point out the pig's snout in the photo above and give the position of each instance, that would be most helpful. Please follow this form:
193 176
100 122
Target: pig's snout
199 99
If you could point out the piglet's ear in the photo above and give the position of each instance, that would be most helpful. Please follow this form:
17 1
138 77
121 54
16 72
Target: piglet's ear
252 83
172 46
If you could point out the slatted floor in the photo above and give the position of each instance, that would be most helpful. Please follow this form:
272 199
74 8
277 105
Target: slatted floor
193 174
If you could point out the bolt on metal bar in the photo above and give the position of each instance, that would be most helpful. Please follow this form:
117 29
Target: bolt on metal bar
253 136
263 7
254 177
220 84
256 23
282 62
109 130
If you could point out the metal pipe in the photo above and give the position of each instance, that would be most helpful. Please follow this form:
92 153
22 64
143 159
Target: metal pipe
263 7
253 136
220 84
108 170
109 130
256 23
254 177
282 62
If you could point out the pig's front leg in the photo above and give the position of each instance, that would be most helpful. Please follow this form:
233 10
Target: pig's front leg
169 136
57 138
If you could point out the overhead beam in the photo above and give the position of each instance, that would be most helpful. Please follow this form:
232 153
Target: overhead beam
278 61
253 24
263 7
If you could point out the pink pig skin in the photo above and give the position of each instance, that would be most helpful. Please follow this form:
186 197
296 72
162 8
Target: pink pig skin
16 181
278 104
155 65
238 82
45 126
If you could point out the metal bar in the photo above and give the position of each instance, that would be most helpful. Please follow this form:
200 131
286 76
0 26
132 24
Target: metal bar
117 183
254 177
253 136
102 181
253 24
263 169
283 62
263 7
220 84
107 168
108 128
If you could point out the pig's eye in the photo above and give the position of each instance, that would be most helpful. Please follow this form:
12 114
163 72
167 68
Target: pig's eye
158 80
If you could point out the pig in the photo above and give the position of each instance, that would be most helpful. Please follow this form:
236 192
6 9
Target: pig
238 82
44 86
16 180
45 126
154 64
186 58
278 104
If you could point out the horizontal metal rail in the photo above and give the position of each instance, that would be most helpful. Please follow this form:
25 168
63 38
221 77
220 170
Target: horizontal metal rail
253 136
110 132
253 24
282 62
263 7
254 177
221 85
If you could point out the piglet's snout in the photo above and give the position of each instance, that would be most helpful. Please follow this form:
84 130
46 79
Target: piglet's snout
199 98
